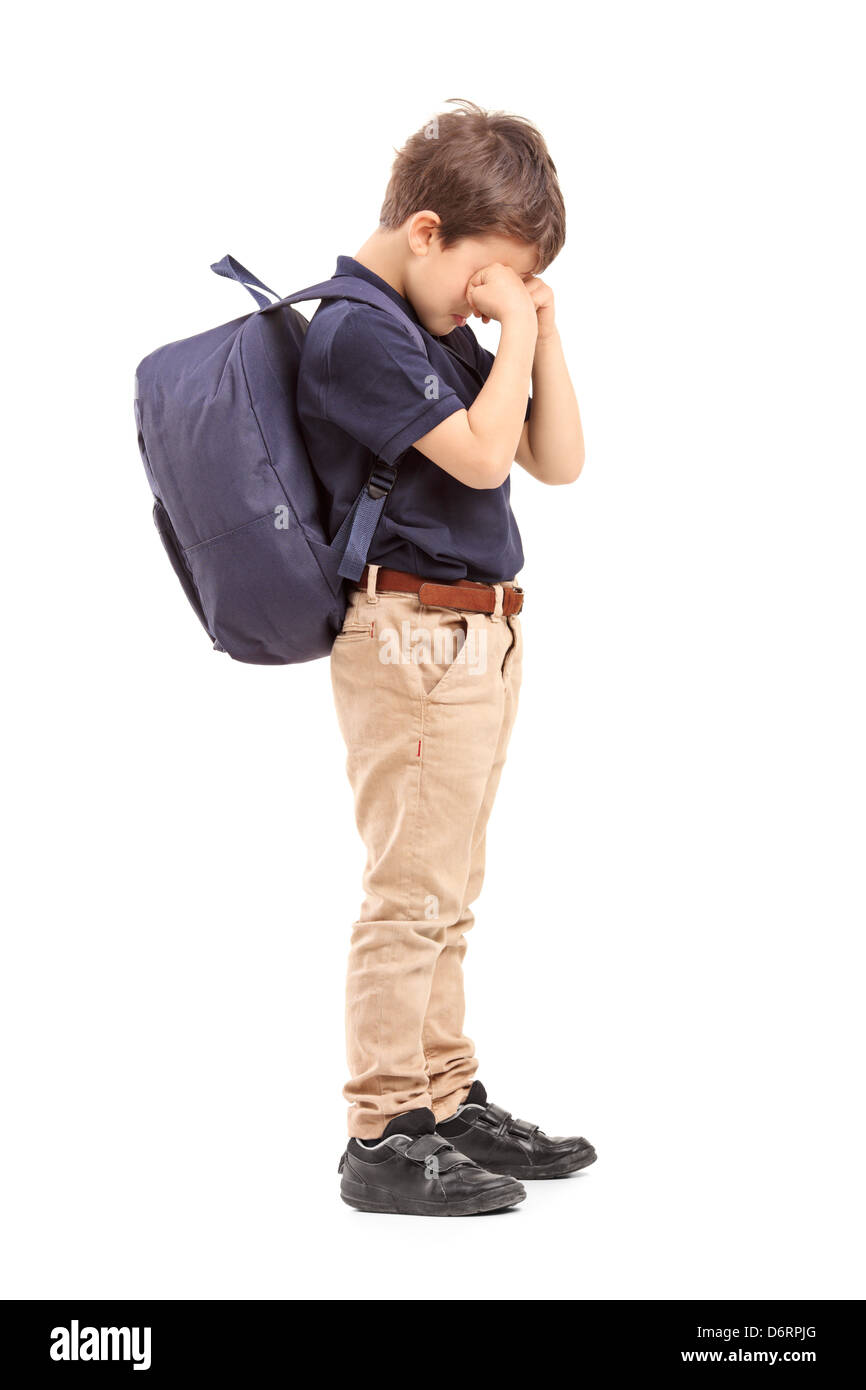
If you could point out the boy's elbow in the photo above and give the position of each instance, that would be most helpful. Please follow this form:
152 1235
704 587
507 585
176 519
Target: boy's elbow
497 472
572 471
489 472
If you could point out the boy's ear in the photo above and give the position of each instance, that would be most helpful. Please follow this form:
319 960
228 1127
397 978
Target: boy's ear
423 231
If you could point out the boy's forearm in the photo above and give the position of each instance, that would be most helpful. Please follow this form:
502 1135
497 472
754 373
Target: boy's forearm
555 430
497 415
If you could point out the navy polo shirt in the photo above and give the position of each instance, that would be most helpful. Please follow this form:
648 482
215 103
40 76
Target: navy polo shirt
366 391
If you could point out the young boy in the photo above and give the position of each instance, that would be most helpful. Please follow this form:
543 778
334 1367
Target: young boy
426 672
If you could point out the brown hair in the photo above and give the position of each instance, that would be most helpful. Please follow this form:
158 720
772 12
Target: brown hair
483 173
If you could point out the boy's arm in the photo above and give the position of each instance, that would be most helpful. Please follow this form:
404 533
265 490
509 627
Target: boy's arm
478 446
551 444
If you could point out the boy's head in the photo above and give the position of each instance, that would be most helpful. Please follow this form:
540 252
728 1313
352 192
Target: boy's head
470 188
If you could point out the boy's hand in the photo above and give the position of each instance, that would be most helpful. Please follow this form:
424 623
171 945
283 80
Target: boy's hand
542 297
497 292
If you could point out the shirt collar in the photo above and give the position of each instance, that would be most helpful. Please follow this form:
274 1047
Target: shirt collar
347 265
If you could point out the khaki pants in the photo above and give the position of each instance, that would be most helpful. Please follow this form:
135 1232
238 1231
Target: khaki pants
426 698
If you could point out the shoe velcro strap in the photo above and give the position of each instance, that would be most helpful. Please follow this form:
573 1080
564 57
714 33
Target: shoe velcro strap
424 1146
496 1117
522 1128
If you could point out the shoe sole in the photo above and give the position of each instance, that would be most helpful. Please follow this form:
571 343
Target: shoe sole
561 1169
357 1196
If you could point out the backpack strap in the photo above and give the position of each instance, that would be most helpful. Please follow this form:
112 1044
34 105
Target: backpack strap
355 536
361 292
338 287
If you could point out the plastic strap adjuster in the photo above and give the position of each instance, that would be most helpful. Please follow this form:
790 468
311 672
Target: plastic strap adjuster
381 479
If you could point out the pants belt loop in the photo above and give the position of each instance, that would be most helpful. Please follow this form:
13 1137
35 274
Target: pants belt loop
497 610
372 571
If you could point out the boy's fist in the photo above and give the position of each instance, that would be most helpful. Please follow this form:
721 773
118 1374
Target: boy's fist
542 298
497 292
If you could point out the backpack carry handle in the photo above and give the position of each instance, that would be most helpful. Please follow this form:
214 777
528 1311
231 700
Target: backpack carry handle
233 270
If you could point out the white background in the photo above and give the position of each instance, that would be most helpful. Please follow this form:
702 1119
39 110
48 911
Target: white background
668 952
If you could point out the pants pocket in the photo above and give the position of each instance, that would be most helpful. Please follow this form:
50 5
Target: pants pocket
512 665
354 626
439 649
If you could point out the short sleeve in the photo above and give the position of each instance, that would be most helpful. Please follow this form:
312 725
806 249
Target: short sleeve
379 387
484 362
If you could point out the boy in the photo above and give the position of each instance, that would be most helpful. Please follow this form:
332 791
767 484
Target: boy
427 669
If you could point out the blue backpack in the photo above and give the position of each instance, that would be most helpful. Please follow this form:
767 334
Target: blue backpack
237 503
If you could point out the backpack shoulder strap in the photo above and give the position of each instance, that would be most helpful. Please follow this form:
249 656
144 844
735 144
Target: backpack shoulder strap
361 292
354 537
338 287
352 541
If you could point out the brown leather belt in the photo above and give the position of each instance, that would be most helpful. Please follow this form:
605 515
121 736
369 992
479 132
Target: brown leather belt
441 593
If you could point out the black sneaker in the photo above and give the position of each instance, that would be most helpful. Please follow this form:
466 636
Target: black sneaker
413 1171
500 1144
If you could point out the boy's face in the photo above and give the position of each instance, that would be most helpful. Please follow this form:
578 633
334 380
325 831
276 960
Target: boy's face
437 281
